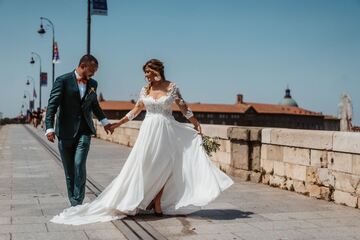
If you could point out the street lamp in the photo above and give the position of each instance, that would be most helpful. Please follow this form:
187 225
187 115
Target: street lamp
31 78
27 95
33 91
32 61
24 106
42 31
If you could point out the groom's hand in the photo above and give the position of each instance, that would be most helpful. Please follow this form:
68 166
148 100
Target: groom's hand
51 136
108 129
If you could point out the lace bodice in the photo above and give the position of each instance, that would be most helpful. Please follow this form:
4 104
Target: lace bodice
162 105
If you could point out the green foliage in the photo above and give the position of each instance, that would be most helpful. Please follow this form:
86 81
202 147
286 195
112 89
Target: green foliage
210 144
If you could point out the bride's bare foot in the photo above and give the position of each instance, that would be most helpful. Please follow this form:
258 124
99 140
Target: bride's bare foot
157 205
157 208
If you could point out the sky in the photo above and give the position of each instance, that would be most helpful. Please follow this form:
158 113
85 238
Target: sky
212 49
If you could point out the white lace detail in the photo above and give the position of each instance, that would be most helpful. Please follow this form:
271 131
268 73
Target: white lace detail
130 115
186 111
189 113
162 105
141 96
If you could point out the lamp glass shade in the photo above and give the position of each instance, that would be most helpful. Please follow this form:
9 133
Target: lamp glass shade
41 31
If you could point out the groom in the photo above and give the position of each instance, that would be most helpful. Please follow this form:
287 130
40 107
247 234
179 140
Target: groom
73 97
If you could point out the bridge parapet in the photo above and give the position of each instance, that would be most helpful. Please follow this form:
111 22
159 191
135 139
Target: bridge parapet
320 164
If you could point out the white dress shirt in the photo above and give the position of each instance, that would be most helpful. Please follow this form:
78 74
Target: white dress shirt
82 90
81 85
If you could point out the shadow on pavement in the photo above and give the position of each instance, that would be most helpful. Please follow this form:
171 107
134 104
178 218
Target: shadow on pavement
224 214
210 214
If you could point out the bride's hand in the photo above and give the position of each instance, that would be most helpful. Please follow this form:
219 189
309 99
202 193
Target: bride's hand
114 125
197 127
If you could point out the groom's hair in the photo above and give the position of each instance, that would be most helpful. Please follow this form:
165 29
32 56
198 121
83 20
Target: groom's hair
88 58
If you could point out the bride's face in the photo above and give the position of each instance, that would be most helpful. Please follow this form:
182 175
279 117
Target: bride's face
150 74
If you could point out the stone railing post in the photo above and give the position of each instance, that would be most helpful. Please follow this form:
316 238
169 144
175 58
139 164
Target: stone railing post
245 152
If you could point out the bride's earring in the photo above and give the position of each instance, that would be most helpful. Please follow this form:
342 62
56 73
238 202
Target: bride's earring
157 78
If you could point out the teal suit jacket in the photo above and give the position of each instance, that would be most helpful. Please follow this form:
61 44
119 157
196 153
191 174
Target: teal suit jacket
66 103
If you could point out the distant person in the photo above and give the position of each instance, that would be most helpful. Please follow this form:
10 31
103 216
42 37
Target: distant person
29 116
43 116
38 117
34 118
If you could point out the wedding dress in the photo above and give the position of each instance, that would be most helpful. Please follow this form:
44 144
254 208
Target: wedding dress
166 154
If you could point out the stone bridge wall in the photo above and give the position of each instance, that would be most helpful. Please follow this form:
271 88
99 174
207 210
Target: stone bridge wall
321 164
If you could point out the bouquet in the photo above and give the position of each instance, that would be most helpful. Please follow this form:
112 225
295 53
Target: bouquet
210 144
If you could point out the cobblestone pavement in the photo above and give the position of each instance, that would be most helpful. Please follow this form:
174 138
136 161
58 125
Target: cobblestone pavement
32 190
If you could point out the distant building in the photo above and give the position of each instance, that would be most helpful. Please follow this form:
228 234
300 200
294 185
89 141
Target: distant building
356 128
286 114
288 100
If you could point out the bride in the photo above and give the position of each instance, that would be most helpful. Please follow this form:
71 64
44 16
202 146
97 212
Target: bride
167 170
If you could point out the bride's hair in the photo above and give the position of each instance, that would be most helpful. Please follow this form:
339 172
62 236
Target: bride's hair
157 66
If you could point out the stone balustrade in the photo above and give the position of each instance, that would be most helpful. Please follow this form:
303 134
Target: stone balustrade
321 164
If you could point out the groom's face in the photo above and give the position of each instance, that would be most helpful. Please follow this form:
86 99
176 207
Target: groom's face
89 69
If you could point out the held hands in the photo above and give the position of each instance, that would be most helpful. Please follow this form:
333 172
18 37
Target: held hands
108 128
51 136
113 126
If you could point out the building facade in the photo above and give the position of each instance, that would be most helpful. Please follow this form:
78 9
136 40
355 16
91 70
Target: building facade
286 114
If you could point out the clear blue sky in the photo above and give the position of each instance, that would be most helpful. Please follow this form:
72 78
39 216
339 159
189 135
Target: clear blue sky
212 49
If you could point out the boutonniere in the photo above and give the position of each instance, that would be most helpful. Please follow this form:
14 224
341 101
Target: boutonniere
92 90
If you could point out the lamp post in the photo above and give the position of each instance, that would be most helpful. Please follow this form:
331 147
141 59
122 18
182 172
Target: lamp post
27 95
28 83
24 106
23 109
88 27
42 31
32 61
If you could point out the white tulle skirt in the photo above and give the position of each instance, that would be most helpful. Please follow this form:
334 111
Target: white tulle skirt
166 154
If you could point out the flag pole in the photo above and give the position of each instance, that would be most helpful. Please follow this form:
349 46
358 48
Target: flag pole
88 26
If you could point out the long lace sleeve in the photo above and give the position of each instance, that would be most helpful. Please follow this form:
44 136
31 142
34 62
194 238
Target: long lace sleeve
138 106
180 102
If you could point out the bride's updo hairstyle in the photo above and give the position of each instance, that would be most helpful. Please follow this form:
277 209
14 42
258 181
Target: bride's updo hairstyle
157 66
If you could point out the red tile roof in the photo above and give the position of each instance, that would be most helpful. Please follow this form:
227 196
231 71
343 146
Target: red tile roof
116 105
281 109
221 108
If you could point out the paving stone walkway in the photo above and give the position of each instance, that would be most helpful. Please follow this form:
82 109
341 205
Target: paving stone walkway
32 190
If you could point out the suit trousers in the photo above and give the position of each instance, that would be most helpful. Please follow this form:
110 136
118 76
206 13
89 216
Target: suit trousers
73 153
